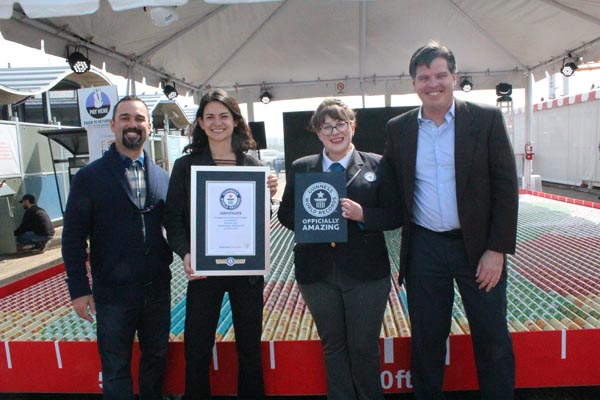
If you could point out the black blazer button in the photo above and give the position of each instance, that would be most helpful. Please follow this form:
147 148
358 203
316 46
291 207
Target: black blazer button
333 244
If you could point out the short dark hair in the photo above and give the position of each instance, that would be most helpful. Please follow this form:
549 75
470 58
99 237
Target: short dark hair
129 98
426 54
335 108
241 140
29 197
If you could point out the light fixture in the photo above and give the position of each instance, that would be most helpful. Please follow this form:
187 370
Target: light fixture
266 96
569 66
162 16
466 83
503 91
79 63
170 91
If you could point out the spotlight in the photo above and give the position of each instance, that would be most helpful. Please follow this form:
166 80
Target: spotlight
266 97
503 91
466 83
170 91
79 63
568 69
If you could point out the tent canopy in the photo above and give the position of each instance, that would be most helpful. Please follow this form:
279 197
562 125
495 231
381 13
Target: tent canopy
305 48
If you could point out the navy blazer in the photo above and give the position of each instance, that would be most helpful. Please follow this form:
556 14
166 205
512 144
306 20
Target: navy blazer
364 256
486 179
101 206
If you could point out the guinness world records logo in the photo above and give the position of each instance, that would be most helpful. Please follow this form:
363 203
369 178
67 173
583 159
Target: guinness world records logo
320 199
230 199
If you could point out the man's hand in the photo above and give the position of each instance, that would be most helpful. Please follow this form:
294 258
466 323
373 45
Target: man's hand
81 304
489 269
187 266
272 183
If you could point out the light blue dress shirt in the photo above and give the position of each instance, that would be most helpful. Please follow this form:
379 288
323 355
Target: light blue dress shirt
435 205
344 161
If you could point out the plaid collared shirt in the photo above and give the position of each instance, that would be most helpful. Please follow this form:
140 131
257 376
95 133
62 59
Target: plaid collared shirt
137 181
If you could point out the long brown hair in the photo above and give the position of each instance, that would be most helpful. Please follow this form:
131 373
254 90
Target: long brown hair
241 140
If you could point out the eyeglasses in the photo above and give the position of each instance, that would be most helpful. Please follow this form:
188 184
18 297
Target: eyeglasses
327 129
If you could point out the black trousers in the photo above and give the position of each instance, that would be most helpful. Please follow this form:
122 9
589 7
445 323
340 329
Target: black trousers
203 307
435 262
148 314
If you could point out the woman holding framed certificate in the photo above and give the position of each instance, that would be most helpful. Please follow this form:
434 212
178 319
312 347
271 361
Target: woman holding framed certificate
221 137
344 284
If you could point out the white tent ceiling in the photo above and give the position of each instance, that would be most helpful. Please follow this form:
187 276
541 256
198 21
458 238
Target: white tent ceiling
302 48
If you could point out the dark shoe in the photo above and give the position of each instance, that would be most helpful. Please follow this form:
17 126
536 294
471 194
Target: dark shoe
42 246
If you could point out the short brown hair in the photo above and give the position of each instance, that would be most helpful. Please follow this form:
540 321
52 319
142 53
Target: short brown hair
426 54
336 109
130 98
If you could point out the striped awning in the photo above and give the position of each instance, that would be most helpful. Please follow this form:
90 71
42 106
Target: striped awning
17 84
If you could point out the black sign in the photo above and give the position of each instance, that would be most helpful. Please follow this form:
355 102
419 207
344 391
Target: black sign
318 211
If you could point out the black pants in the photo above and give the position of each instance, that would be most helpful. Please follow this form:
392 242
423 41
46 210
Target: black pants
434 263
150 315
203 306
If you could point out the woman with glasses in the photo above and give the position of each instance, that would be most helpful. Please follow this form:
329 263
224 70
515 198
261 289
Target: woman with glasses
345 285
221 136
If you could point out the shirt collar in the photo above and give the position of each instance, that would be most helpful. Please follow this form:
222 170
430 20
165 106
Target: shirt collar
344 161
128 161
449 115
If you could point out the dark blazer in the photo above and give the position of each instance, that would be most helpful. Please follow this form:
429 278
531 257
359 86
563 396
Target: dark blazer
177 212
101 206
364 256
486 179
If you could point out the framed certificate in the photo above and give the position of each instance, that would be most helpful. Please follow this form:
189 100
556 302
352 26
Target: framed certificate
230 215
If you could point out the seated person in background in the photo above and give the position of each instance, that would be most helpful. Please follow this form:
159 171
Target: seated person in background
36 229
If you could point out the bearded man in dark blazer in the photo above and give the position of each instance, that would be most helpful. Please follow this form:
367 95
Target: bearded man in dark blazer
451 165
117 203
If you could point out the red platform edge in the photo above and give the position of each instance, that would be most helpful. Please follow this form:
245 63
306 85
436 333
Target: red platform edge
544 359
564 199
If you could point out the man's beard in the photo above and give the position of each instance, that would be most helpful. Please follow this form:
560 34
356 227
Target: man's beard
132 143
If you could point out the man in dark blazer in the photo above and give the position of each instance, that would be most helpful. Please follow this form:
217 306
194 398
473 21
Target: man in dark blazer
117 202
451 165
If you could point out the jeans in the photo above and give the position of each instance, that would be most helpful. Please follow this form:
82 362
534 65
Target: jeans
30 237
434 264
150 316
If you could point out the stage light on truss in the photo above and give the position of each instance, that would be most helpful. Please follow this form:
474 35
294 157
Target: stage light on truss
568 68
79 63
503 91
170 91
466 83
265 97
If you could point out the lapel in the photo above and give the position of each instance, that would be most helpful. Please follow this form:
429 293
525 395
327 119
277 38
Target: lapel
117 169
465 141
151 180
316 164
408 156
354 167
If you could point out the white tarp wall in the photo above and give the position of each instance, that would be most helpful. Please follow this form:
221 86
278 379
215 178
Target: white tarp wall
565 138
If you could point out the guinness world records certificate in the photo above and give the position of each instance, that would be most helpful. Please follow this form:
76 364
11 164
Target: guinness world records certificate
230 215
